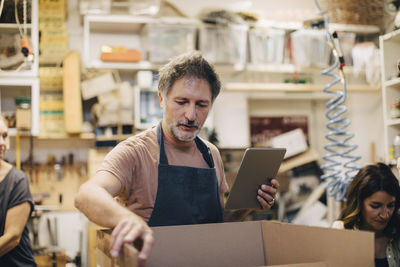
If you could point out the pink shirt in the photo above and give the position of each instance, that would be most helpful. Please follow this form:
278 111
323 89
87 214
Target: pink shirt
135 164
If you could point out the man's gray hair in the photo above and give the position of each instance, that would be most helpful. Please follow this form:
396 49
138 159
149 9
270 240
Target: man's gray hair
191 64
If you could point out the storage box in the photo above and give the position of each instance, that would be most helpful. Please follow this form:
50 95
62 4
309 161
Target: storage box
224 43
164 41
310 48
266 45
252 243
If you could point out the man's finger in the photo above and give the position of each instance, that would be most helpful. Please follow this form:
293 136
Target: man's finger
119 241
275 183
148 241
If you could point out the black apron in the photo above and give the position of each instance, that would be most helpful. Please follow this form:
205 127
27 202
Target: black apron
186 195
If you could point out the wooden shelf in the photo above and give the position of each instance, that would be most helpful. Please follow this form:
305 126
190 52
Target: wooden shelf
393 122
295 25
393 83
392 36
13 27
12 132
360 29
291 87
116 137
142 65
82 136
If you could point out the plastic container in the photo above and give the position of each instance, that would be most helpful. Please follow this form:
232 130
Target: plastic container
95 6
144 7
224 43
396 144
310 48
164 41
266 45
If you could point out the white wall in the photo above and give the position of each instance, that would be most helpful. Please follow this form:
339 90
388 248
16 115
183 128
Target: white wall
232 110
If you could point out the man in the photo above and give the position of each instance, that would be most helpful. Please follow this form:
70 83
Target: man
165 175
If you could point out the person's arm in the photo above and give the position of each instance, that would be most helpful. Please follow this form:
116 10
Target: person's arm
16 219
95 200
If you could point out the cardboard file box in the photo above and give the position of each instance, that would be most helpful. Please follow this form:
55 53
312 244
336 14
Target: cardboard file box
253 243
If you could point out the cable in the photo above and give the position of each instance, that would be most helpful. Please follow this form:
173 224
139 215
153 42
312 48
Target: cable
1 6
340 165
17 19
24 14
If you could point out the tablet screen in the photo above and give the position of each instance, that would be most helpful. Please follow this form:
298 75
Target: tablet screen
257 165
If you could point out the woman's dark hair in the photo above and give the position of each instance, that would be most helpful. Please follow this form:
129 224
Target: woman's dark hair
371 179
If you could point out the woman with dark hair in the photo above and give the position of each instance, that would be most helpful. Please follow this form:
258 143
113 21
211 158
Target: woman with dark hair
372 204
16 206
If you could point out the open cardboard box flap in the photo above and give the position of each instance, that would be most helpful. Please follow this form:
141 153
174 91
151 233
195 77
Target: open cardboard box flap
253 243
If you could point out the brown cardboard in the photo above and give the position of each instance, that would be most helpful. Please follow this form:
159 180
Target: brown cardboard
252 243
290 243
227 244
127 257
307 264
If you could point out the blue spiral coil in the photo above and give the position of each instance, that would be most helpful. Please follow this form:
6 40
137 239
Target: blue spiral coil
340 167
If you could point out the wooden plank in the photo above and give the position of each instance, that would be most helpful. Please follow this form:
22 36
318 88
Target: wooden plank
72 93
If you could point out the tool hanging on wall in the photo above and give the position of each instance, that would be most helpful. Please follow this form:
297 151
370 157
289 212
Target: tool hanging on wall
24 42
341 165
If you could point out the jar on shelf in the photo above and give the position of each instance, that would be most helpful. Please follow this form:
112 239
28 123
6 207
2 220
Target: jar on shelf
23 113
395 110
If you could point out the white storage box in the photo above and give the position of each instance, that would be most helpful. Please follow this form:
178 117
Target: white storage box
310 48
224 43
266 45
163 41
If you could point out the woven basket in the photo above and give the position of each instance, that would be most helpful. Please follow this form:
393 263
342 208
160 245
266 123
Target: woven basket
366 12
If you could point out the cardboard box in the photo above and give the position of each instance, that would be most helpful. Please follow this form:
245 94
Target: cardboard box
252 243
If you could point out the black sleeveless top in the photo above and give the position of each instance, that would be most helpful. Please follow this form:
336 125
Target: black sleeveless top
381 262
14 190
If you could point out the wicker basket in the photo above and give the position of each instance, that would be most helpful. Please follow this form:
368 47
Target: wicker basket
366 12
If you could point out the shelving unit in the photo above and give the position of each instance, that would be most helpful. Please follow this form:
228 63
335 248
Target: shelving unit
118 30
390 55
291 87
23 82
12 87
148 111
33 37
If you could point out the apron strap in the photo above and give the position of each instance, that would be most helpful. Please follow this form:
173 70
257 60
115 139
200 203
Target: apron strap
203 148
205 151
160 139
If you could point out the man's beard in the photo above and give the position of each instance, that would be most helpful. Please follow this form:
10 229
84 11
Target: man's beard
183 136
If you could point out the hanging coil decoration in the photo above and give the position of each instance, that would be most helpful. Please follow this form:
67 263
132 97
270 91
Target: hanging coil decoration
340 165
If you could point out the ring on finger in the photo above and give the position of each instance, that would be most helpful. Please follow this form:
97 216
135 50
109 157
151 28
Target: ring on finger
272 202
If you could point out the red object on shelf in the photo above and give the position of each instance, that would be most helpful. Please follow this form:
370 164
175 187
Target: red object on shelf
121 56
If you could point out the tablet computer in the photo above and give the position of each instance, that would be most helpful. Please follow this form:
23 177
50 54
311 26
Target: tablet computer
257 165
